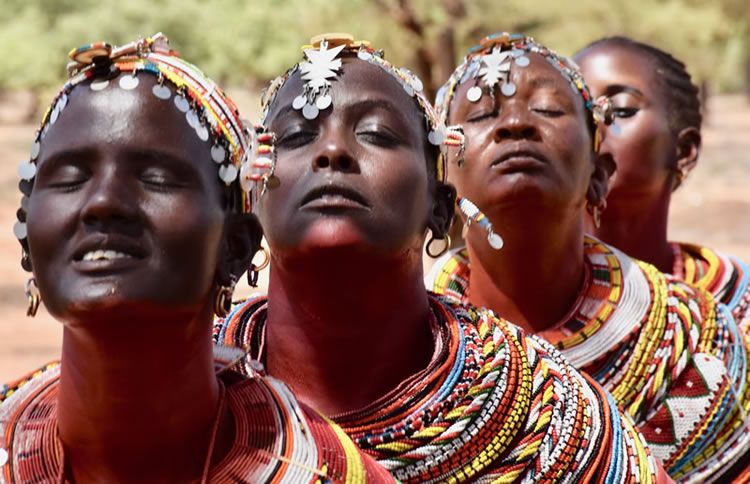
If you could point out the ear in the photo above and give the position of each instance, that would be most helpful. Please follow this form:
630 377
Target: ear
242 237
443 209
688 149
604 167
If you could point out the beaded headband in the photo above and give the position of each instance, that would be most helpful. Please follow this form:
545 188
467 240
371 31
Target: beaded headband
208 111
488 65
321 66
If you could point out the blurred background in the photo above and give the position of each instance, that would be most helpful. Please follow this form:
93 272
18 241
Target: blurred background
244 43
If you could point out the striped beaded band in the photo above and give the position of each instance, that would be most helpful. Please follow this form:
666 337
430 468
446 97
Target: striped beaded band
211 113
490 62
322 64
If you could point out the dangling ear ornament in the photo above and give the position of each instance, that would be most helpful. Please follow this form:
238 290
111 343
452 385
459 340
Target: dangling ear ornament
32 294
474 215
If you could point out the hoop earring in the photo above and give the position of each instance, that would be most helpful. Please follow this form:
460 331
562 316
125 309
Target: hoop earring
447 240
33 296
223 300
252 274
596 212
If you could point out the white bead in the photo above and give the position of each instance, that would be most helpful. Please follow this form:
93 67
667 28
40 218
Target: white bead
26 170
3 457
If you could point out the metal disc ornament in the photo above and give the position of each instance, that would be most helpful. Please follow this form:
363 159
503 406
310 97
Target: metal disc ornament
218 153
299 102
323 102
228 173
202 132
181 103
99 85
508 89
161 91
35 147
19 230
474 94
496 242
26 170
522 61
310 111
129 82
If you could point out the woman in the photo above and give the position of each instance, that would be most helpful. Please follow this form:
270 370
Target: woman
659 118
135 243
529 168
432 390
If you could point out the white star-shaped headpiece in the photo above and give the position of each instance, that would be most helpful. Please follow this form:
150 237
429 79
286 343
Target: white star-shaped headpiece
321 65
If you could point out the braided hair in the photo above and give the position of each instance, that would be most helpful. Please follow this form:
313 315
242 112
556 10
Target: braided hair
681 94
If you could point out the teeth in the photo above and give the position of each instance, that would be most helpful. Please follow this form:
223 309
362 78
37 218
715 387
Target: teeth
105 255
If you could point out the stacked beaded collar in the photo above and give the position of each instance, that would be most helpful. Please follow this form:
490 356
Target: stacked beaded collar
489 63
321 66
212 115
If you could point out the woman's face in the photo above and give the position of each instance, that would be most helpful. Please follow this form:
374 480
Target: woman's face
126 209
355 176
644 148
528 152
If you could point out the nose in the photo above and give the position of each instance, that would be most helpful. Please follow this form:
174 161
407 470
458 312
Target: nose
111 202
514 124
334 153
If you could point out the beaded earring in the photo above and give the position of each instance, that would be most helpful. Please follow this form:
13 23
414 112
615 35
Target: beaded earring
474 215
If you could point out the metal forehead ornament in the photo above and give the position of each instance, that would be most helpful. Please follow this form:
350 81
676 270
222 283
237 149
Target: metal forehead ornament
320 67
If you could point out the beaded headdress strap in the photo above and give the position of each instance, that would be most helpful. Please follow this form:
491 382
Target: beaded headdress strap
321 65
488 66
208 111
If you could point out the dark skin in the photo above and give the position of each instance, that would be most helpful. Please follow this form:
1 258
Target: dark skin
648 151
122 171
530 167
348 316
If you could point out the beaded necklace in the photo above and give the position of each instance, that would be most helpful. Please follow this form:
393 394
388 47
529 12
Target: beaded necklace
724 276
276 438
492 403
673 359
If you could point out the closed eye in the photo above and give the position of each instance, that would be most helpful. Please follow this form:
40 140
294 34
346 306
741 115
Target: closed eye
479 117
380 138
549 112
296 139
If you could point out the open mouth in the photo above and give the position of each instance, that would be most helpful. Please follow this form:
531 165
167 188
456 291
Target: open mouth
333 197
97 255
107 253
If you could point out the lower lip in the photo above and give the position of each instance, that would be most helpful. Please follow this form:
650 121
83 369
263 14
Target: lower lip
333 202
519 163
106 265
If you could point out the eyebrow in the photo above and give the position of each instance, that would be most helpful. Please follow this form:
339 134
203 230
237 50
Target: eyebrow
541 82
613 89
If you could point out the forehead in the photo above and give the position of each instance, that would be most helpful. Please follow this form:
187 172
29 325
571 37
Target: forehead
357 80
539 75
117 118
607 65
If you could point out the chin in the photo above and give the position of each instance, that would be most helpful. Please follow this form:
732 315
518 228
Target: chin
333 233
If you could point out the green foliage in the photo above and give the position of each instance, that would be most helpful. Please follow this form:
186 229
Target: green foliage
240 41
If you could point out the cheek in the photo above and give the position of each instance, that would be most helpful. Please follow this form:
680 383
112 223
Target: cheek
642 151
49 225
190 238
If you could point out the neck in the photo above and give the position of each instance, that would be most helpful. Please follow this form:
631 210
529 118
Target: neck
637 224
534 280
135 400
344 328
